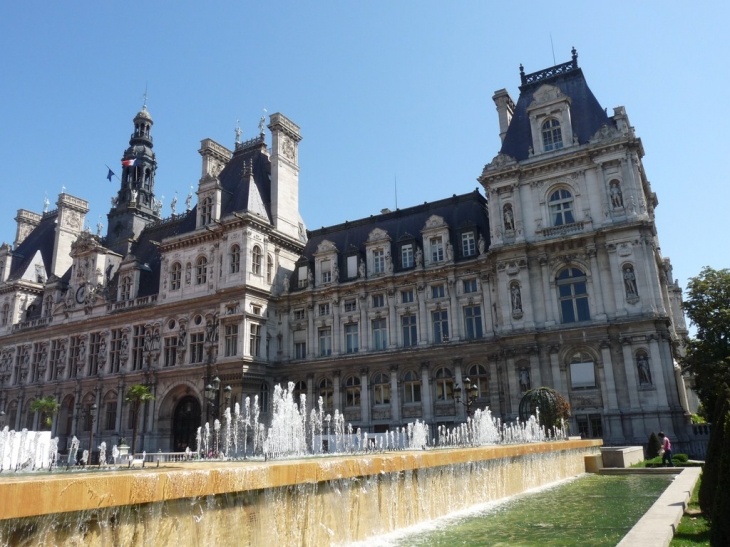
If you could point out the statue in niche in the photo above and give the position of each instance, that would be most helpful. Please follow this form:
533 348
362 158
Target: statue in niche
102 353
81 358
388 263
361 269
642 363
524 379
336 273
310 278
419 258
516 296
124 351
481 245
630 282
617 198
449 251
147 340
509 218
182 336
188 273
285 284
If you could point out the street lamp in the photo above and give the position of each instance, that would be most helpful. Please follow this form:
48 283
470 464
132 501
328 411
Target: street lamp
472 392
2 419
212 392
92 415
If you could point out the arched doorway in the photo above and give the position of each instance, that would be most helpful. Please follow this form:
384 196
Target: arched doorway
185 423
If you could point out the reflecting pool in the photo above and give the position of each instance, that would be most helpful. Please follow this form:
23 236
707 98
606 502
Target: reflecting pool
589 511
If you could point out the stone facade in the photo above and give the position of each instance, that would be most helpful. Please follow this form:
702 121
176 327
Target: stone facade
554 279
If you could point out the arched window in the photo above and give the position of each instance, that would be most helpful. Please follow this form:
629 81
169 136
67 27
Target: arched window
352 391
109 410
234 259
126 288
201 270
326 391
264 397
175 276
256 260
478 376
444 384
206 211
573 296
381 389
561 208
411 387
269 268
582 371
300 388
552 136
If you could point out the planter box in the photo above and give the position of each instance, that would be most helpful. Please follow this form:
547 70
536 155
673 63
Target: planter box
622 456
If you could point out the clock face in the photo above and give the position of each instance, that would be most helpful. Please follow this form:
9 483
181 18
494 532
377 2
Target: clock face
80 293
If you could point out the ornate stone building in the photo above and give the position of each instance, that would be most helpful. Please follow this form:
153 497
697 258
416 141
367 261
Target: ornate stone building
555 279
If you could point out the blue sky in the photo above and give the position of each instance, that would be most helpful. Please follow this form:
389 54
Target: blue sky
381 90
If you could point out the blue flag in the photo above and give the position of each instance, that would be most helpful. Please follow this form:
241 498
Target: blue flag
109 175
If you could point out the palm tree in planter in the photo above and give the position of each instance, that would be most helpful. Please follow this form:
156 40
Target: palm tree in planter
47 406
137 395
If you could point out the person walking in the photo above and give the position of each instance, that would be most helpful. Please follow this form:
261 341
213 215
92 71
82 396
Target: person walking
666 450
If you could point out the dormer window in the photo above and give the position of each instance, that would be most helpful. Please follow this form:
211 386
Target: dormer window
206 211
552 136
437 249
379 261
406 256
468 244
126 290
326 271
561 208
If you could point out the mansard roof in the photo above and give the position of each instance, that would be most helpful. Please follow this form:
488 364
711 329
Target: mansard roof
586 114
41 238
459 212
241 193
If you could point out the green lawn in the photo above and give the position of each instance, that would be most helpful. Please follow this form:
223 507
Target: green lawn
693 529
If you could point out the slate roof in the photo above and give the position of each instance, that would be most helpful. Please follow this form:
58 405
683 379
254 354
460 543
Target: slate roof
587 115
467 211
42 239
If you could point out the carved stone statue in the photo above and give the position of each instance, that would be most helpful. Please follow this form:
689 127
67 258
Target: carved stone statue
516 296
630 281
182 336
310 278
642 363
173 204
419 258
481 245
361 269
285 284
336 273
388 263
524 379
509 218
617 199
449 251
189 201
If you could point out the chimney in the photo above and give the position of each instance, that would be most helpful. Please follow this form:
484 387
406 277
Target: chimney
71 217
27 221
285 139
505 110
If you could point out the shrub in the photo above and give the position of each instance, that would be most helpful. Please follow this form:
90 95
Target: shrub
720 525
652 450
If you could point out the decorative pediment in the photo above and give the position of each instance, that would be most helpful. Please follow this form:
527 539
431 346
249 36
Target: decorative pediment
378 235
546 94
434 221
85 244
499 161
326 247
606 132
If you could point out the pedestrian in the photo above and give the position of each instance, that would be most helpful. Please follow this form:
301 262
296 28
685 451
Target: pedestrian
666 450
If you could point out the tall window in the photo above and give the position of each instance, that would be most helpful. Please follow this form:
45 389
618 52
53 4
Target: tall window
352 391
478 376
327 392
175 276
300 350
110 415
206 211
326 271
410 330
94 343
582 371
411 387
440 320
379 261
406 255
197 340
114 350
468 244
48 306
234 259
324 309
352 338
126 290
325 341
561 207
231 340
437 249
350 305
470 285
256 260
5 315
264 397
552 136
138 347
381 389
378 300
406 296
380 335
255 340
444 384
201 270
73 356
438 291
170 351
573 296
269 268
58 354
36 367
473 322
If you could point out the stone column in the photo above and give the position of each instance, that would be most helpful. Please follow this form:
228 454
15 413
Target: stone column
546 293
512 386
392 321
426 395
120 406
487 303
630 374
494 402
364 399
336 328
535 374
616 281
424 332
657 372
394 395
610 402
310 392
364 334
336 386
597 285
454 322
555 369
459 381
313 347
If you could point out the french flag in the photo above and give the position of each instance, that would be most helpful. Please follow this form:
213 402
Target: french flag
129 163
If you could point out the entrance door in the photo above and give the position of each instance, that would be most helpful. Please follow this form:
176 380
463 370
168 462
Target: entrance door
185 424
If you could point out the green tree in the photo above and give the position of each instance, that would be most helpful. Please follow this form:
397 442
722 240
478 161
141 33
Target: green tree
136 396
47 406
711 469
652 449
708 355
554 408
720 526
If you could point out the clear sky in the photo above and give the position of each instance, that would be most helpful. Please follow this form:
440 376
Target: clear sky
382 91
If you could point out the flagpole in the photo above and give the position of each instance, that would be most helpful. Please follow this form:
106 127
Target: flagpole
112 172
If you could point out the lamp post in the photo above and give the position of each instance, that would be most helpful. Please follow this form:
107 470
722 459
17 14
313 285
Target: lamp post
92 415
212 397
472 392
2 419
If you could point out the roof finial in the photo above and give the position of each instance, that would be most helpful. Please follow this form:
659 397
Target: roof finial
238 132
262 122
46 203
522 73
575 57
144 105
